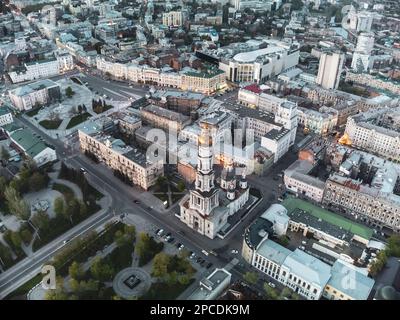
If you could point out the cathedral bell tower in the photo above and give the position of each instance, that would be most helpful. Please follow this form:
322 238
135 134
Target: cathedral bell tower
204 198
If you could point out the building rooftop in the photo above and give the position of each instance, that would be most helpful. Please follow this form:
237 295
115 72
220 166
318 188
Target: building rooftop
35 86
165 113
308 267
257 231
30 143
276 135
273 251
351 280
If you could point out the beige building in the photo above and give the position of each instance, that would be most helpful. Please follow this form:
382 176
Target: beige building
123 159
163 118
371 204
376 131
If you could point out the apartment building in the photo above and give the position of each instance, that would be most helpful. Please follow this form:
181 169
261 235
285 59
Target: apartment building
35 94
43 68
5 116
124 160
173 18
376 131
159 117
284 111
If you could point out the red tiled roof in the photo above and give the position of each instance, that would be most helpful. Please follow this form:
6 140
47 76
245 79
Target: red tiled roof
253 88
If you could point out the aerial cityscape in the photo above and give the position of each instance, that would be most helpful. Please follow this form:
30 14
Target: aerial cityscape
199 150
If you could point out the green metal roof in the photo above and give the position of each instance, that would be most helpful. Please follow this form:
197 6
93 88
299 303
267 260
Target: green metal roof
31 144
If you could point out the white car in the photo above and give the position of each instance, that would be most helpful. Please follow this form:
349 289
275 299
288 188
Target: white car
234 251
159 233
271 284
304 242
181 247
302 248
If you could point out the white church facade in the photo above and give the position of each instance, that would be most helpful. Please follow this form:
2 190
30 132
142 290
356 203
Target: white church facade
207 206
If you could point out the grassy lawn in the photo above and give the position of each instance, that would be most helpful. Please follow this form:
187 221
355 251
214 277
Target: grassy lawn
77 120
66 191
50 124
32 112
165 291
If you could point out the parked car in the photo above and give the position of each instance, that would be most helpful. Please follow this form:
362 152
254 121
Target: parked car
234 251
178 245
170 240
181 247
192 256
271 284
302 248
209 265
160 232
304 242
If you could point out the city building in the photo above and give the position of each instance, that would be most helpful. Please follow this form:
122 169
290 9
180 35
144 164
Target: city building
322 121
42 68
5 116
330 69
35 94
212 286
207 207
159 117
124 160
348 282
32 146
256 60
277 141
173 18
376 131
298 180
362 60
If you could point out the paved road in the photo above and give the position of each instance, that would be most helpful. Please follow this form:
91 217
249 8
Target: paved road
22 272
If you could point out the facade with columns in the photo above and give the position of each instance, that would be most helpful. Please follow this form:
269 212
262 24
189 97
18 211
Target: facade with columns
207 206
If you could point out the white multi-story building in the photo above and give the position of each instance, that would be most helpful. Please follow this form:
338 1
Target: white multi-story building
284 112
277 141
362 54
43 69
330 69
35 94
323 121
173 18
5 116
253 62
297 270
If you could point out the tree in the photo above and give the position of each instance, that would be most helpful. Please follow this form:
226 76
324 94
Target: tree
16 205
184 279
160 265
393 246
26 236
251 277
41 220
181 186
69 92
37 182
5 155
59 206
16 239
270 292
75 271
101 271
